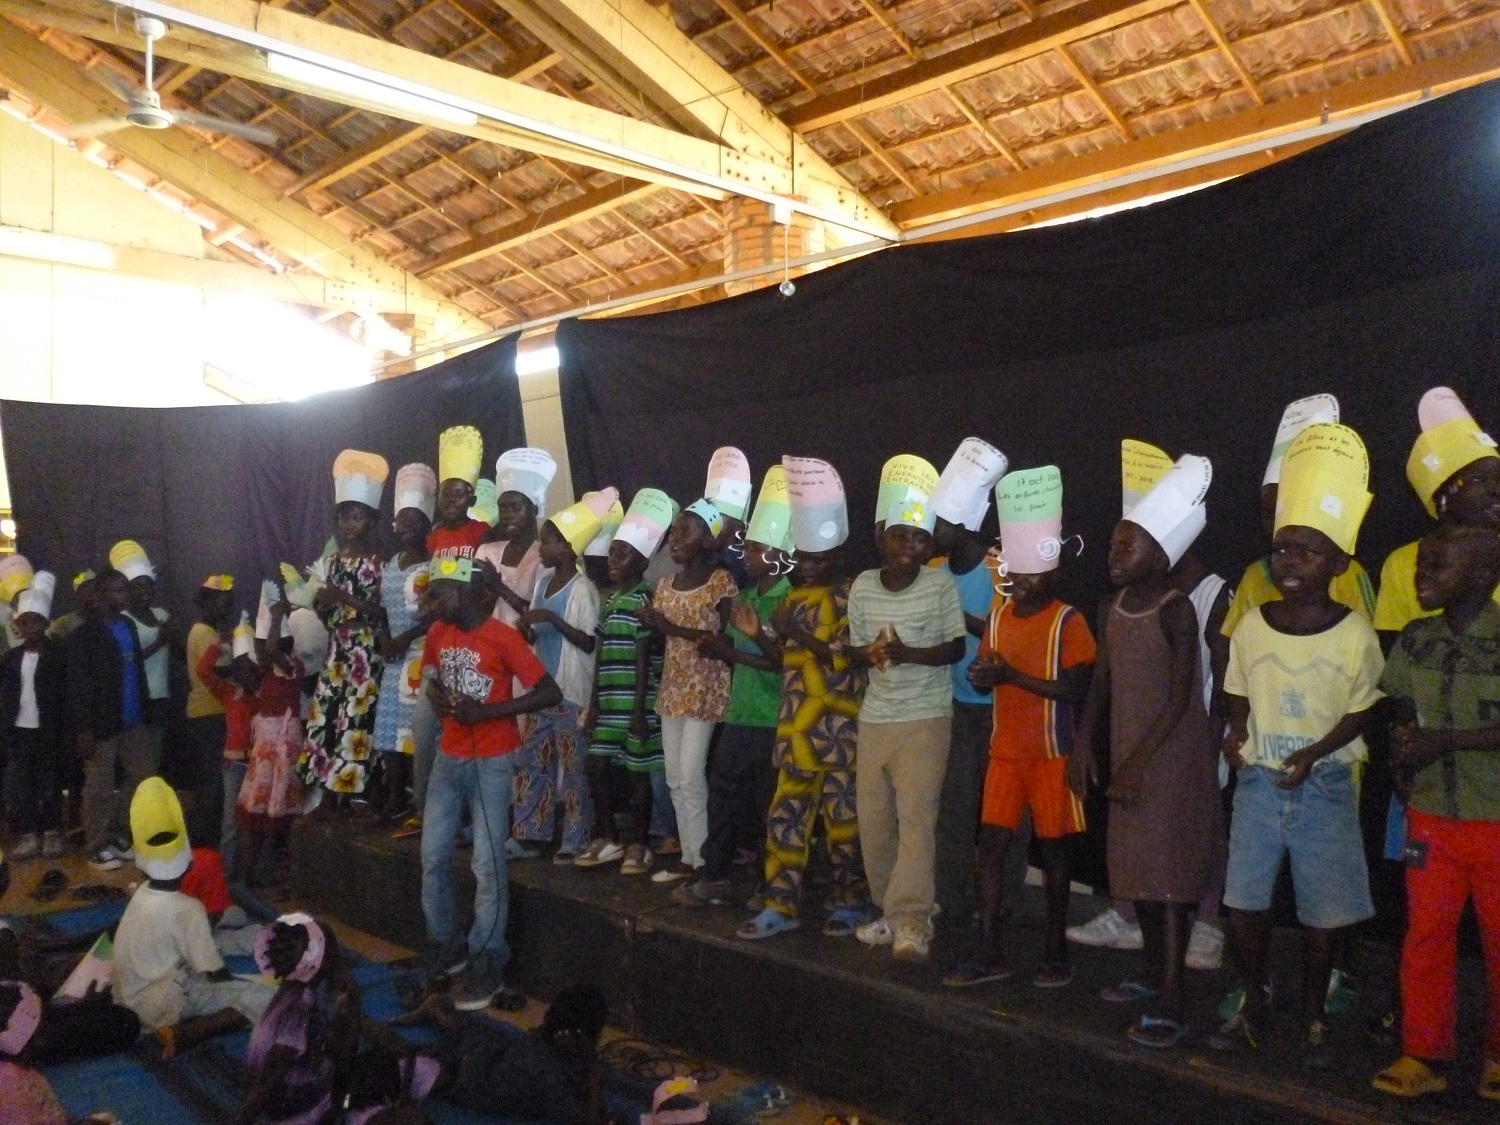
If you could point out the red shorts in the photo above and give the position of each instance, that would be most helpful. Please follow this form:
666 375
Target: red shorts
1012 785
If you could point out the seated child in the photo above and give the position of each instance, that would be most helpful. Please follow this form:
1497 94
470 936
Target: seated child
26 1097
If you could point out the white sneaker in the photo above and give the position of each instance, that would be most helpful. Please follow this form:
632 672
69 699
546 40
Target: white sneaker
875 933
598 853
1108 930
1205 947
910 944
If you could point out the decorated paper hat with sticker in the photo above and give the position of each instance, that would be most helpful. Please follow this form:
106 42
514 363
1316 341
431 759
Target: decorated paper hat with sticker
1029 503
729 482
1325 484
903 476
579 523
1451 440
771 522
598 546
460 454
820 513
962 494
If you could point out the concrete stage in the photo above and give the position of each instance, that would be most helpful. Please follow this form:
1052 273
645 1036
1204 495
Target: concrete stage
848 1022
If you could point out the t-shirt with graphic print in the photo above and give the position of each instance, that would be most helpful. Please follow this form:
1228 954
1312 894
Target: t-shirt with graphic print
481 664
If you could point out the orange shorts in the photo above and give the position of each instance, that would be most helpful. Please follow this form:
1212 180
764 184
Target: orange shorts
1011 785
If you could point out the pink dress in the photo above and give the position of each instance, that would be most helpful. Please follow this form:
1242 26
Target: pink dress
272 795
521 578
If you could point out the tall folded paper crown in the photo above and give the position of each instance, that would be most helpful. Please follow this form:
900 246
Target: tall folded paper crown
903 477
416 487
528 471
1294 419
579 523
771 521
1451 440
646 521
129 558
820 512
15 576
155 812
962 495
1029 504
360 477
460 454
37 598
1325 484
1173 512
729 482
598 547
486 503
242 642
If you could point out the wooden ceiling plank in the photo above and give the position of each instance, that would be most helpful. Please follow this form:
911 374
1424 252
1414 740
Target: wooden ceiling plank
1228 51
862 135
991 134
652 237
893 29
541 279
591 257
765 42
360 156
1393 29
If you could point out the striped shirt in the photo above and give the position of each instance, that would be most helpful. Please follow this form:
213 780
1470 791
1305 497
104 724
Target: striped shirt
620 632
925 614
1043 645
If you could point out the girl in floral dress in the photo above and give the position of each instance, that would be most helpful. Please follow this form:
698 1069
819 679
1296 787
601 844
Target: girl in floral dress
271 796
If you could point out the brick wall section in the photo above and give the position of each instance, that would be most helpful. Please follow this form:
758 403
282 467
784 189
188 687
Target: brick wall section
754 238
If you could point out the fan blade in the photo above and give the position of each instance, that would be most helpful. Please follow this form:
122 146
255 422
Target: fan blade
97 128
256 133
113 83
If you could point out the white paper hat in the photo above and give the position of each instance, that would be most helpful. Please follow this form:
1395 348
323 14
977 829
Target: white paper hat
416 487
37 598
360 477
820 514
1294 419
1173 512
309 639
962 494
243 640
647 520
599 546
728 487
1029 504
528 471
129 558
270 594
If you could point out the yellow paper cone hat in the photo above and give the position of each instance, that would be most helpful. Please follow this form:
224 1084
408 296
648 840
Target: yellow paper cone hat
360 477
129 558
15 576
158 832
1450 441
1325 481
580 523
460 454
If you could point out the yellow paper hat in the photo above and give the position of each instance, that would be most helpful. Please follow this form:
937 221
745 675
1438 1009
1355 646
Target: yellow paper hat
83 576
904 477
1141 468
221 582
360 477
486 503
1450 441
460 454
580 523
771 521
155 814
15 576
1325 481
129 558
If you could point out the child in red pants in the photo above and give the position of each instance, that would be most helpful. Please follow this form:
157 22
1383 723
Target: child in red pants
1444 675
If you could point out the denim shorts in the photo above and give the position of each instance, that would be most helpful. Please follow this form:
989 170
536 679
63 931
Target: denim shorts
1317 824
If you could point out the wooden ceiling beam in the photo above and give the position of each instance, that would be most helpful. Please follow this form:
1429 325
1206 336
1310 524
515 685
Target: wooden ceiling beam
766 43
1393 29
862 135
1227 49
360 156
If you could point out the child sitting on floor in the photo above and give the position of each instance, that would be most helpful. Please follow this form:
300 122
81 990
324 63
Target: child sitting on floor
26 1097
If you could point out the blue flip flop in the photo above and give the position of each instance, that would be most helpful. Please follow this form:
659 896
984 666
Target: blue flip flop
844 921
768 923
1156 1031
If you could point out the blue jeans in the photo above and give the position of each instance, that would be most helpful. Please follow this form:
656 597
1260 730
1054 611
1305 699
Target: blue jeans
484 785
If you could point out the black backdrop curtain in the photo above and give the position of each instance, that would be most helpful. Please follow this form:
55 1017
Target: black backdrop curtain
1366 267
233 489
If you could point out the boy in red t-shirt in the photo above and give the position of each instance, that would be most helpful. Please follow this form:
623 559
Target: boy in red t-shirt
476 658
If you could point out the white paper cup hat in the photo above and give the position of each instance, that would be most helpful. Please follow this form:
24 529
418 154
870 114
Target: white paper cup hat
1029 504
962 494
486 503
360 477
579 523
528 471
729 482
416 487
1325 484
460 454
820 513
129 558
706 511
155 814
243 640
646 521
1173 513
37 598
771 522
903 476
1450 441
1141 467
598 547
15 576
1294 419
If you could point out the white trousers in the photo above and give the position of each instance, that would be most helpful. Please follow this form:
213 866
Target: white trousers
685 743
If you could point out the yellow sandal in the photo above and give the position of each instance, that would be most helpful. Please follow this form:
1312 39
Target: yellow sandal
1489 1084
1412 1078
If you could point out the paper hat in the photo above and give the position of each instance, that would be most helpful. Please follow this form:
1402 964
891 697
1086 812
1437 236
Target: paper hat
1029 504
129 558
709 514
23 1021
312 957
962 494
1325 483
527 471
460 454
452 569
1294 419
302 590
155 814
96 969
88 575
359 477
820 514
486 507
771 522
1450 440
221 582
270 594
901 477
37 598
1141 467
598 547
1173 512
729 482
243 641
15 576
685 1088
646 522
416 487
309 639
913 511
580 523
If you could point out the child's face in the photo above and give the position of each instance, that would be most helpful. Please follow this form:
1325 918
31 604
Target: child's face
142 591
626 564
1448 569
88 595
689 538
904 545
1134 556
116 593
216 607
354 522
759 560
244 673
286 948
1473 495
1028 590
553 548
32 627
411 527
517 516
1304 561
819 568
455 498
446 597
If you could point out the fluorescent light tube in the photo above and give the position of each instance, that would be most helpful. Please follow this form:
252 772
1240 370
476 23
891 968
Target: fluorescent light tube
19 242
336 82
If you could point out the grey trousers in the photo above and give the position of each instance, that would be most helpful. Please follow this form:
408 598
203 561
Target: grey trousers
136 755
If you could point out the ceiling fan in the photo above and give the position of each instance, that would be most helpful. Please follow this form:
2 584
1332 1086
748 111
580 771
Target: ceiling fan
144 107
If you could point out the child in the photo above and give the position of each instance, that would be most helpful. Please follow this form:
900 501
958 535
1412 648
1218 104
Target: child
728 489
625 728
1036 657
166 967
814 751
907 627
521 480
341 723
33 702
562 623
1164 792
456 535
233 684
1302 674
86 594
477 659
26 1097
694 690
204 733
402 631
1444 676
153 625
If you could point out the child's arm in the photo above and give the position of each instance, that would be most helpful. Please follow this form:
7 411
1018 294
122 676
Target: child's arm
218 686
544 693
1180 626
1237 732
1298 765
898 651
575 637
639 728
1071 685
784 621
1083 763
1417 748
